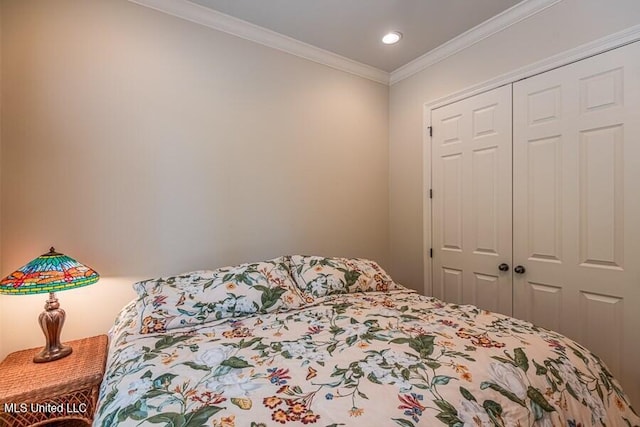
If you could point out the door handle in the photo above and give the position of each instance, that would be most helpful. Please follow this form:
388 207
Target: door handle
519 269
503 267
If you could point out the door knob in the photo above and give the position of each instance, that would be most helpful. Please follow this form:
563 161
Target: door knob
503 267
519 269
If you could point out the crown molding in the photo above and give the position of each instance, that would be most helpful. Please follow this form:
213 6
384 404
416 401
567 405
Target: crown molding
219 21
509 17
595 47
196 13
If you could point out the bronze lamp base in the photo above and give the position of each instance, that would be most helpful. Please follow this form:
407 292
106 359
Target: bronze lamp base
51 321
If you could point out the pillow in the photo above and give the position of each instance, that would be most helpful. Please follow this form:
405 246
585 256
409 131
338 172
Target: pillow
319 276
203 296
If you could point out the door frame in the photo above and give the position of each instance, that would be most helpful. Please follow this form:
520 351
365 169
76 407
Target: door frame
613 41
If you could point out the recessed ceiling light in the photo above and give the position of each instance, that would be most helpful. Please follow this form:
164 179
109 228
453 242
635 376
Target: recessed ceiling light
392 37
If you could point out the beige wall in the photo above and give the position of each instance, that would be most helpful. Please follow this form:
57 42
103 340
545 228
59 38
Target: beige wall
142 145
563 26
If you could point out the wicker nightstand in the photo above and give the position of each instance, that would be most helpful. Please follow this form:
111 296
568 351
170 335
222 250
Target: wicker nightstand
66 389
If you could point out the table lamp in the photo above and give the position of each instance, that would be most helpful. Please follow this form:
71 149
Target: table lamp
50 272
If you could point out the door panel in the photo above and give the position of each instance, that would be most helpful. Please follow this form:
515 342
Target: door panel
544 219
471 154
484 171
451 284
486 288
576 176
544 306
601 170
452 202
602 314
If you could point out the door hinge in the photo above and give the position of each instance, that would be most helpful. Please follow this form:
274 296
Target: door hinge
430 130
431 253
431 193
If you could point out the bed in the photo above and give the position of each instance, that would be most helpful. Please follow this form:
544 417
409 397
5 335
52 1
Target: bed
306 340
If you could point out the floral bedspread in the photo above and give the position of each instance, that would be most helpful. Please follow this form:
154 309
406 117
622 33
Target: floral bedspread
357 359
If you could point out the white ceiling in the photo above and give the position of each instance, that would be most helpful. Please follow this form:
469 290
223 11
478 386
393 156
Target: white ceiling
353 28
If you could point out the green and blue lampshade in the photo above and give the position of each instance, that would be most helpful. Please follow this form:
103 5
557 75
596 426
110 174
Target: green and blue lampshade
50 272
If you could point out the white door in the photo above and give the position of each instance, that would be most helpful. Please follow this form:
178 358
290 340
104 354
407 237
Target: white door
577 206
471 209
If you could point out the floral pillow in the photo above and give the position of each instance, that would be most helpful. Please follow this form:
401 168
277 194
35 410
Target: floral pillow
319 276
204 296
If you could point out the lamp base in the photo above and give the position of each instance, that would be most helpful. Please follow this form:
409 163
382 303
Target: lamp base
51 354
51 321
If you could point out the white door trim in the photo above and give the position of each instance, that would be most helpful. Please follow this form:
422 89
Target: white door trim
621 38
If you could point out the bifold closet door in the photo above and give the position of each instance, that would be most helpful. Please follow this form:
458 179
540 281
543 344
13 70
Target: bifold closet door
471 209
577 206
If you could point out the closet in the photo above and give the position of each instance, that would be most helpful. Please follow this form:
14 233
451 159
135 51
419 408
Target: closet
536 204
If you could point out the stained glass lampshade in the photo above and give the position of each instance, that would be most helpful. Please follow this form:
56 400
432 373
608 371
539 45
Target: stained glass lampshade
50 272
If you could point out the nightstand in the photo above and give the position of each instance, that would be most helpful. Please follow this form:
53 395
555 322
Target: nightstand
66 389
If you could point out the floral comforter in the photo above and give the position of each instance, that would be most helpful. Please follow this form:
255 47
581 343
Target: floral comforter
356 359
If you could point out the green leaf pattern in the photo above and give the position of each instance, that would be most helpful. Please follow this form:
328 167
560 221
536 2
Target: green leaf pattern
377 358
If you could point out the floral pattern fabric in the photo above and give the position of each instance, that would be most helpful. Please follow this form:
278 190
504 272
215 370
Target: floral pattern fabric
392 358
209 295
282 283
318 276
